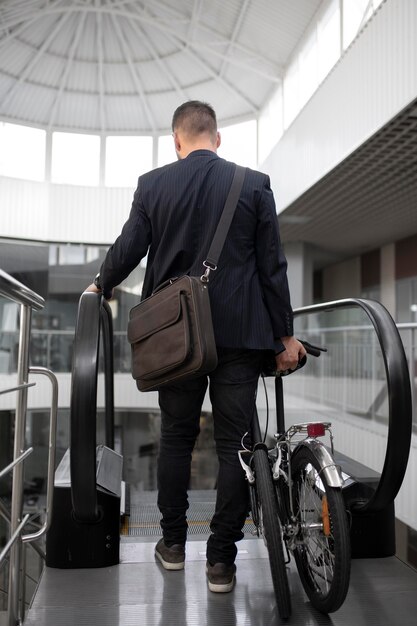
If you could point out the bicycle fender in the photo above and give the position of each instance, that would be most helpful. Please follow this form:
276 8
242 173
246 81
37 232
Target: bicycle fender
328 466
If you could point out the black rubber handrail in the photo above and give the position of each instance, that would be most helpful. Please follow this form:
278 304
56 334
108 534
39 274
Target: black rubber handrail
399 398
107 333
94 314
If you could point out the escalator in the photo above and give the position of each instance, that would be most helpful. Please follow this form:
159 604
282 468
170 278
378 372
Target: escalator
96 577
85 529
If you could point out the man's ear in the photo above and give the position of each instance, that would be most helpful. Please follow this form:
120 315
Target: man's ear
177 142
218 140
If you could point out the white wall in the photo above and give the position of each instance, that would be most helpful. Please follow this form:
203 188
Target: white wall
62 213
373 81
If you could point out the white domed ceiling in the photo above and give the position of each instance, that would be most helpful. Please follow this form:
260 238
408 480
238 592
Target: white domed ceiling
125 65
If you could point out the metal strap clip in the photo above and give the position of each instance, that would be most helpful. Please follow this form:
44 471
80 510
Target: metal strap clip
209 267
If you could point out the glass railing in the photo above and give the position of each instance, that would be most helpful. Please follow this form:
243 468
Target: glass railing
54 349
362 386
365 386
353 384
351 378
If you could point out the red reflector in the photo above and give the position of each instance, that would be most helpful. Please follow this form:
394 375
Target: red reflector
316 430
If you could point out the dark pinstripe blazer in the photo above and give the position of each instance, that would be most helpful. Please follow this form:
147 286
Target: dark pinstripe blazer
174 215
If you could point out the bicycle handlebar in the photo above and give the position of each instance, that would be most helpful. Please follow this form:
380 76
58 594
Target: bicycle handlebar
313 350
270 365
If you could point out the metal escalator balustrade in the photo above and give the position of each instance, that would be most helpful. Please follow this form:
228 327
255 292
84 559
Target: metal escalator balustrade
369 494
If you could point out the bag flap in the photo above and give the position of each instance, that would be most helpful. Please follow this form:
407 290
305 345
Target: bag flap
153 314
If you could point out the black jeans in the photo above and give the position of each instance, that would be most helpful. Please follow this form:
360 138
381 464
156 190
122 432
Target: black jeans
233 387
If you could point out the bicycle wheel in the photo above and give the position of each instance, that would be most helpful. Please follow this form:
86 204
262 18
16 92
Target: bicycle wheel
271 530
322 546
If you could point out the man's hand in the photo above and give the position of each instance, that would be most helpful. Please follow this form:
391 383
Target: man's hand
95 289
294 352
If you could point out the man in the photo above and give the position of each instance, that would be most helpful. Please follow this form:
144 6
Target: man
173 218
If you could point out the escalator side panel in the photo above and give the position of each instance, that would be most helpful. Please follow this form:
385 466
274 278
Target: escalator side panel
71 544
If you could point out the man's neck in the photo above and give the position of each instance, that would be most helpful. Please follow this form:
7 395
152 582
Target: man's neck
197 146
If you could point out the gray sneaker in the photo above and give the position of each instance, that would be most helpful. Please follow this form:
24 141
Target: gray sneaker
221 577
172 558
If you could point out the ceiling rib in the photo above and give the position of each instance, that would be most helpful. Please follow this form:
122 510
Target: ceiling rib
220 40
233 90
66 72
195 16
136 78
100 70
240 18
33 60
207 68
30 17
150 46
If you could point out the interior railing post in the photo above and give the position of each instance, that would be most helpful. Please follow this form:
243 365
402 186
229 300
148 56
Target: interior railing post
18 470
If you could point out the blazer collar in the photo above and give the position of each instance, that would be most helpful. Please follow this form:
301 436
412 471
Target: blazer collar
202 153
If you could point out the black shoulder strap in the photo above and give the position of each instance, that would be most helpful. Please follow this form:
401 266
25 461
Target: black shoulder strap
223 226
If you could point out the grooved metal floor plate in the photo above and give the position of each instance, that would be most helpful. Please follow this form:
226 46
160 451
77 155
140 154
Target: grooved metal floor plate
139 592
142 593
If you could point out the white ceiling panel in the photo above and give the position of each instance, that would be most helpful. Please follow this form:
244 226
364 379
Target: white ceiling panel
108 64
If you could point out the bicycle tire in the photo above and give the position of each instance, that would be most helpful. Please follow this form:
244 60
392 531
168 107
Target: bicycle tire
271 530
322 555
253 503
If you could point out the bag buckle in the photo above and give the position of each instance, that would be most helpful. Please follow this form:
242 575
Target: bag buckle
209 267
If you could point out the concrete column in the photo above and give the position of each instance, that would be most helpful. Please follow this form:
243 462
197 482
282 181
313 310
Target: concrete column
342 280
388 295
300 274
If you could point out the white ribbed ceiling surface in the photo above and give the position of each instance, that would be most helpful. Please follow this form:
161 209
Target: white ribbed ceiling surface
125 65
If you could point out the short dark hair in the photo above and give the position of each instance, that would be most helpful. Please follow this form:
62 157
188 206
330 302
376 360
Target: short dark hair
195 118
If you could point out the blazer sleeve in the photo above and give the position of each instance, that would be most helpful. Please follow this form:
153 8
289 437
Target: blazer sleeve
272 266
129 248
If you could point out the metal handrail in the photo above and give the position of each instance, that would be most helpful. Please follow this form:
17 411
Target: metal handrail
399 397
28 300
51 453
19 293
18 475
14 537
11 465
10 389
